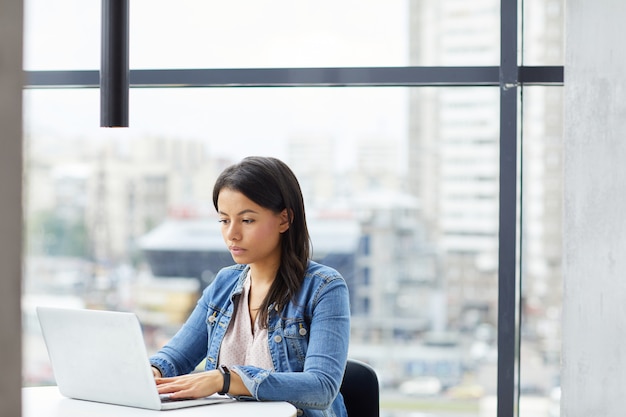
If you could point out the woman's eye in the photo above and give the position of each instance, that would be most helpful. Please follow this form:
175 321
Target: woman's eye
223 221
247 221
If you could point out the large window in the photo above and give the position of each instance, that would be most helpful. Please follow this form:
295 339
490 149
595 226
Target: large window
430 179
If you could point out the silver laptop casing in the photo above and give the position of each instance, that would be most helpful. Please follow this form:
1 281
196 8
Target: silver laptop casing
101 356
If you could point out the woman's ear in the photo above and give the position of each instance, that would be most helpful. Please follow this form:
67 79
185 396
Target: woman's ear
285 221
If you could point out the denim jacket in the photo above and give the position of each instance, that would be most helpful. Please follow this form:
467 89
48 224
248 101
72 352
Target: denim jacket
308 341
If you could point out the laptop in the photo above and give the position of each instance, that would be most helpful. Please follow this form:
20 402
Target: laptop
101 356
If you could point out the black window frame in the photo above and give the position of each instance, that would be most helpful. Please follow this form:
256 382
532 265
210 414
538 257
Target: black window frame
509 76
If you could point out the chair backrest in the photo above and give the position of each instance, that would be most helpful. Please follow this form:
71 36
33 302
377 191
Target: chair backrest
360 390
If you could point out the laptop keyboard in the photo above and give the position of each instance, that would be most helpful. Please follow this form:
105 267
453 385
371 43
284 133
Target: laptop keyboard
166 398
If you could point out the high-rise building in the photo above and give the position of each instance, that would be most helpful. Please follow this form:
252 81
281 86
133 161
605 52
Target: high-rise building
311 158
454 150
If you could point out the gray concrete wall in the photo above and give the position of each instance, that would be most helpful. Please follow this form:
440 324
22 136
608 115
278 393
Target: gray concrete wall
594 307
10 204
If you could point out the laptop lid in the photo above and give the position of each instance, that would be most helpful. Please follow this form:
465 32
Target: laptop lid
101 356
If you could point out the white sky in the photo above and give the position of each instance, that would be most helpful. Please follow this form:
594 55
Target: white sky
65 35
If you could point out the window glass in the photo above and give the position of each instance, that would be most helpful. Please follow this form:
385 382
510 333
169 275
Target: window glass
454 32
61 35
542 280
407 177
65 34
543 33
402 198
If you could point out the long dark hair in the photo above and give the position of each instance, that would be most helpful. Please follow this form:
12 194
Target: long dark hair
270 183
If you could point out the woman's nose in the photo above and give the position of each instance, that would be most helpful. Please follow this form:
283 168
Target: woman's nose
233 232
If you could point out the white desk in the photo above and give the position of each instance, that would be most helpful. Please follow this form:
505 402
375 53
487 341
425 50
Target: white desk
48 402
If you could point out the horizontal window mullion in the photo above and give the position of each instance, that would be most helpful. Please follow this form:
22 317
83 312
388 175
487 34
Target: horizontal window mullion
298 77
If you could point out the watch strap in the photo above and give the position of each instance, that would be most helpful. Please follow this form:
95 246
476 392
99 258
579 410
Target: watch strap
226 375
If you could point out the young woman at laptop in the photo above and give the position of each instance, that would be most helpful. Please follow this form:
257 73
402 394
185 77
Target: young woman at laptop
274 326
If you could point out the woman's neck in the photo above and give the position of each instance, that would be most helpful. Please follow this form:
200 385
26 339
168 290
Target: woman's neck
260 284
263 275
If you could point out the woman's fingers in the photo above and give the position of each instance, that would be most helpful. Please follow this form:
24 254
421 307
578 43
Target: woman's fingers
186 386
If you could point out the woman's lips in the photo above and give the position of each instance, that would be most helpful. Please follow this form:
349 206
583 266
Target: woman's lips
236 250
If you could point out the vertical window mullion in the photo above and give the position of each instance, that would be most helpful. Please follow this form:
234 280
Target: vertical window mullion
508 329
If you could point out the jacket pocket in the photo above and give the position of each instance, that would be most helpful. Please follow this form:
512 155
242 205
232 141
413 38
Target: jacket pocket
296 334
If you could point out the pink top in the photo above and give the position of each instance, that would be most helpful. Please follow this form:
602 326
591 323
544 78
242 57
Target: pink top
243 345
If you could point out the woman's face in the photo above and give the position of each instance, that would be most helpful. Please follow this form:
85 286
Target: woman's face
251 232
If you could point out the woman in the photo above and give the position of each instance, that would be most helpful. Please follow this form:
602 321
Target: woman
276 325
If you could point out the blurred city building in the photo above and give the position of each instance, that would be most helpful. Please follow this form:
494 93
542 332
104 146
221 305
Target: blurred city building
453 158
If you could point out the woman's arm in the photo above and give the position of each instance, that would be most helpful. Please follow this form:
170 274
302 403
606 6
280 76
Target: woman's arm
200 384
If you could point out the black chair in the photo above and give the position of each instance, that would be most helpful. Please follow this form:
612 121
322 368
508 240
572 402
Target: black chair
360 390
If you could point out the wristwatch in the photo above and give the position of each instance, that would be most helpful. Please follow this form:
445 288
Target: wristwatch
226 374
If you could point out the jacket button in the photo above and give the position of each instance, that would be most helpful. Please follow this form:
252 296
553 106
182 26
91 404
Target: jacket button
302 331
278 338
299 412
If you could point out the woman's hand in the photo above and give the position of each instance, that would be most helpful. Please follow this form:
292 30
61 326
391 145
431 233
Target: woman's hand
194 385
